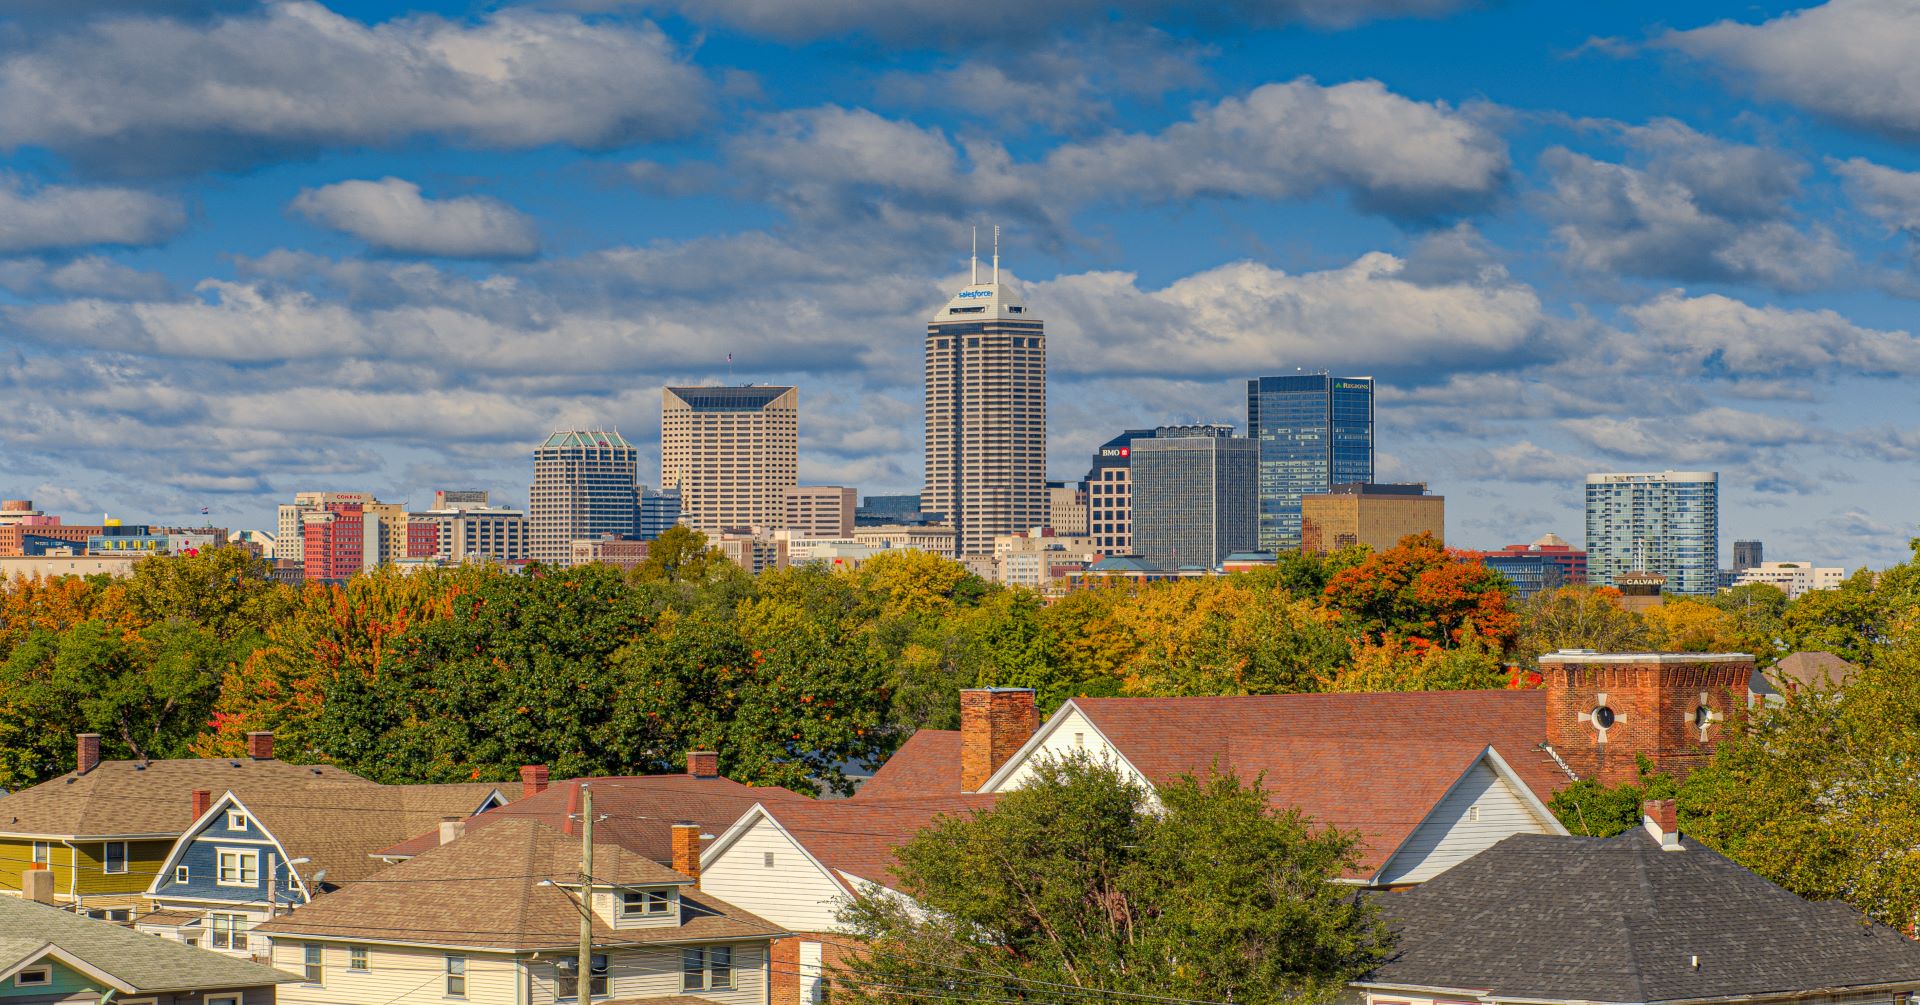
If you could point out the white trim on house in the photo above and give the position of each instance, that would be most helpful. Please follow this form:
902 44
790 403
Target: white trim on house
49 951
739 829
1504 774
186 837
1044 733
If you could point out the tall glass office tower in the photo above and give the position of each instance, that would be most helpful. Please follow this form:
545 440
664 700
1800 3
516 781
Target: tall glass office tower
582 488
1314 432
1666 522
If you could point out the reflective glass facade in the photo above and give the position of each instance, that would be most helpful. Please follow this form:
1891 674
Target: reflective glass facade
1193 496
1314 432
1666 522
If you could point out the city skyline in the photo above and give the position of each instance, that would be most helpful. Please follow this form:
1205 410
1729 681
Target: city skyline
1565 238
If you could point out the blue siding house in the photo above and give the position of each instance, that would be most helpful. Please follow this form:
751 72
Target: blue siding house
244 861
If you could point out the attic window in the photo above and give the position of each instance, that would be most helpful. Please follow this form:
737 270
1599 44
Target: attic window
641 903
180 874
33 977
1603 716
236 820
766 858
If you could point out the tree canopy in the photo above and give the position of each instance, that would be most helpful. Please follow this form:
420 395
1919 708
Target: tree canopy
1079 880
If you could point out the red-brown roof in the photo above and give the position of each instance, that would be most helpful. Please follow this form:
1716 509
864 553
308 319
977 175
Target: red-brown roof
928 764
860 838
1168 737
636 812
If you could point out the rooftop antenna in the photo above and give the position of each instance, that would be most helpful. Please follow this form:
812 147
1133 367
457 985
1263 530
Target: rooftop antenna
996 254
976 255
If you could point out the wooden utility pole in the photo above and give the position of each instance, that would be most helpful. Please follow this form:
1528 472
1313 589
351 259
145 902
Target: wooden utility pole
584 989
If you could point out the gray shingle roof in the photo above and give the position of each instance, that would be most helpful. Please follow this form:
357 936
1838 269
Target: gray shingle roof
1619 920
141 961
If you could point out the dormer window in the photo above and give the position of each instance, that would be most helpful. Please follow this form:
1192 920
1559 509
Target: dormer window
236 820
643 903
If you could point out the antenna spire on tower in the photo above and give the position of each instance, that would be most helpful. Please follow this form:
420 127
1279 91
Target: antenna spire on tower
996 254
976 255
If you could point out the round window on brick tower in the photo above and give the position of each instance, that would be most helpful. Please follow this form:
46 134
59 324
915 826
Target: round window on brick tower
1702 716
1603 716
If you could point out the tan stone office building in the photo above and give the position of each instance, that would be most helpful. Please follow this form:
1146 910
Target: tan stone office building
733 452
1377 516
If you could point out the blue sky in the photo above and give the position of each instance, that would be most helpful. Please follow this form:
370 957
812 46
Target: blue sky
249 248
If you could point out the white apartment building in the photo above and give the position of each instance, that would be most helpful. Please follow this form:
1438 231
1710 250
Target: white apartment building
1793 578
733 452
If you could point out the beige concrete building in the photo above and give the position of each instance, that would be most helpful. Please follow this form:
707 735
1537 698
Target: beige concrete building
986 415
1035 561
1792 578
753 552
819 511
55 566
1377 516
733 452
1066 508
908 537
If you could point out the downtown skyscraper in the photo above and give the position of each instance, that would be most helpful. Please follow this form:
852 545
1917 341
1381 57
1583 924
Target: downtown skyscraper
986 414
732 452
1314 432
583 487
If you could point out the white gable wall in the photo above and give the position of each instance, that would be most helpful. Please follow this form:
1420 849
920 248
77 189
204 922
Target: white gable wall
1453 832
795 893
1069 732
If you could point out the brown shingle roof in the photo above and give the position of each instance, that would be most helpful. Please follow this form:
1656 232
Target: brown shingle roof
860 838
1812 671
129 797
341 827
484 890
927 764
639 811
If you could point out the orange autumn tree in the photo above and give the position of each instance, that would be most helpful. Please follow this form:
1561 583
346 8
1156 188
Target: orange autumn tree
1418 589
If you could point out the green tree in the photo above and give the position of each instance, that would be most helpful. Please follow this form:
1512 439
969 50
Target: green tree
1075 880
1590 808
146 693
1577 617
1849 622
680 555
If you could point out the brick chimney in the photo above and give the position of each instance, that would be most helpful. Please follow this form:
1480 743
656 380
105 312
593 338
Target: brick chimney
202 802
686 849
451 827
36 884
994 722
89 753
1663 822
570 826
1606 709
260 745
533 780
703 763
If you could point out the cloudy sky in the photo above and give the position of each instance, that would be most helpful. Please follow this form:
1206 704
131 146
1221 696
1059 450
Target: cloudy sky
251 248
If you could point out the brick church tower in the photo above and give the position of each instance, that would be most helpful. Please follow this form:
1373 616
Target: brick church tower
1604 708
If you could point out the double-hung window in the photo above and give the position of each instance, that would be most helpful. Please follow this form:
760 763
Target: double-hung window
357 958
706 969
456 976
569 983
113 858
642 903
314 963
239 867
229 931
43 852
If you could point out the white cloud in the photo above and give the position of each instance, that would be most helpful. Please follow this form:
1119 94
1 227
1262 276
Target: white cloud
1296 140
1284 141
1889 196
939 23
1246 317
89 276
1715 335
150 93
54 216
1693 208
390 214
1849 60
